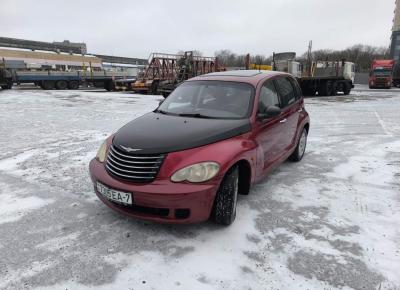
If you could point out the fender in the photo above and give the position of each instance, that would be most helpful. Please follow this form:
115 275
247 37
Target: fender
226 153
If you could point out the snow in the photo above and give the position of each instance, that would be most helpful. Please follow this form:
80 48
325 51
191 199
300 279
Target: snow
329 222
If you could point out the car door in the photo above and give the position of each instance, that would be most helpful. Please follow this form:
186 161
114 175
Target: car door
289 96
269 130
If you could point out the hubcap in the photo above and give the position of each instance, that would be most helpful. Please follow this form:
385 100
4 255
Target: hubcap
302 143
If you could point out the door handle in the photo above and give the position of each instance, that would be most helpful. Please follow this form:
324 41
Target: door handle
283 121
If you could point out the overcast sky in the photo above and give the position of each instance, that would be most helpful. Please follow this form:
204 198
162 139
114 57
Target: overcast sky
137 28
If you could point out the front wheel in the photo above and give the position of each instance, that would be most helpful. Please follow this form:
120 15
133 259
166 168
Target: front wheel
298 153
224 210
346 89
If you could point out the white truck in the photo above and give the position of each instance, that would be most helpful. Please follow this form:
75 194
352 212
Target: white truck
326 78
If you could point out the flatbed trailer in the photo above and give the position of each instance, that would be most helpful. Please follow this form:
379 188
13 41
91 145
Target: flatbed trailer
325 86
327 78
61 80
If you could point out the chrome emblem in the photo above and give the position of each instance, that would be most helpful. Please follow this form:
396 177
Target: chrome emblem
129 149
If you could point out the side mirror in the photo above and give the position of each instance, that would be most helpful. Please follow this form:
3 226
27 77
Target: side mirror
271 111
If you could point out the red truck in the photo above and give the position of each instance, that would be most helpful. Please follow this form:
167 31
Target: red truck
210 140
380 75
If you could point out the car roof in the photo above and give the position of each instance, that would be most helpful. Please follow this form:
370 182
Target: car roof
245 76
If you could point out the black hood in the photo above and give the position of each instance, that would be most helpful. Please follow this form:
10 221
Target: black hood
158 133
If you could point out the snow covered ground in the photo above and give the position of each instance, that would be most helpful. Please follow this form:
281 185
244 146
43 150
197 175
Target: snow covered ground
331 221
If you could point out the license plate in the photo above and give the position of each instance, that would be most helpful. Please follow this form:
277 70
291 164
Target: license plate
114 195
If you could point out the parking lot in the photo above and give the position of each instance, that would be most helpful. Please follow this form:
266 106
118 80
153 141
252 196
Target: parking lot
331 221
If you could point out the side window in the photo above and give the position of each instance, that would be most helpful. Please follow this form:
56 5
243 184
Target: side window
286 91
297 88
268 97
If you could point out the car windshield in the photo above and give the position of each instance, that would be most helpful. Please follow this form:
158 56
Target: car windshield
209 99
382 72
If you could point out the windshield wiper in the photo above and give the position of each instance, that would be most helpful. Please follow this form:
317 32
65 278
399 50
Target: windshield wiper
162 112
195 115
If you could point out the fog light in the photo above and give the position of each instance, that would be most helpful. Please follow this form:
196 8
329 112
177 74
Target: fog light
182 213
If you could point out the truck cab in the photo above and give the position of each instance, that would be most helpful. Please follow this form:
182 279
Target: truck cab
381 74
349 71
6 81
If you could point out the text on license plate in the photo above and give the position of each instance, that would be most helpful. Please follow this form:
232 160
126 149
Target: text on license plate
114 195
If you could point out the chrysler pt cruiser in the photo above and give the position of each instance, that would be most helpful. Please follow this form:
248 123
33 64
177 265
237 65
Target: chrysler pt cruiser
210 140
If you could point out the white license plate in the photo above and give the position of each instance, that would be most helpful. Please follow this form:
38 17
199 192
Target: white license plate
114 195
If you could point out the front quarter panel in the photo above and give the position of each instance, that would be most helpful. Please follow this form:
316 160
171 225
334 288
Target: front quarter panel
226 153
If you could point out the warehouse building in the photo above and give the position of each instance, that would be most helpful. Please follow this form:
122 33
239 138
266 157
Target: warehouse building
395 44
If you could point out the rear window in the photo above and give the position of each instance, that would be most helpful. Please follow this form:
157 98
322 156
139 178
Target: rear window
297 88
286 90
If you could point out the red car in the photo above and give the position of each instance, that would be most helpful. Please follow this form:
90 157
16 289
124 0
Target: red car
209 141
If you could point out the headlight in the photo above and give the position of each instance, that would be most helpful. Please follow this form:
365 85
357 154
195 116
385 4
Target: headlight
101 154
198 172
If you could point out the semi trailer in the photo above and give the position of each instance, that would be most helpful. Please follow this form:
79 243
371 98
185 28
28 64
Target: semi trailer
63 80
396 75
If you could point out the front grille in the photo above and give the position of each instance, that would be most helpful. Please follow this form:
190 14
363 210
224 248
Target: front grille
133 167
381 81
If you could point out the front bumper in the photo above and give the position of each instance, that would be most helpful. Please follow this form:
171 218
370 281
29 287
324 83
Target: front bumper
161 200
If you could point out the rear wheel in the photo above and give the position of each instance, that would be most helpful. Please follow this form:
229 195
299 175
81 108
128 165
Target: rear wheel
224 210
73 85
324 89
109 86
298 153
61 85
48 85
346 89
334 89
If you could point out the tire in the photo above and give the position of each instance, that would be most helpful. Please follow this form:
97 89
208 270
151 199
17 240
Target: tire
224 209
312 93
61 85
5 87
346 89
298 153
73 85
334 89
153 90
324 89
309 92
48 85
109 86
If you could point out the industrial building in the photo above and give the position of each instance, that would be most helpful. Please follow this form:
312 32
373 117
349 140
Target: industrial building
56 53
395 43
